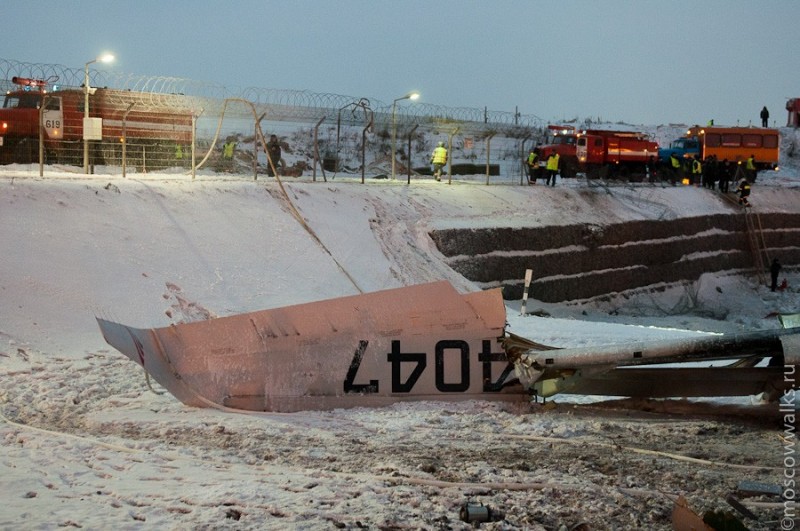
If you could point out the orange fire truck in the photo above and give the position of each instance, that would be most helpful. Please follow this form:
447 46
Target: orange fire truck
152 125
615 154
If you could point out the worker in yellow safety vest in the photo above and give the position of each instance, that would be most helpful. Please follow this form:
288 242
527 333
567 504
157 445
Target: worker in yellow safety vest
227 150
439 159
552 168
697 171
750 168
675 163
533 166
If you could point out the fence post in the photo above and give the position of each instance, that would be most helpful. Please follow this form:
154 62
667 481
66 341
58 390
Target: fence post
450 154
364 148
488 154
194 144
41 135
408 159
257 127
524 160
125 138
316 152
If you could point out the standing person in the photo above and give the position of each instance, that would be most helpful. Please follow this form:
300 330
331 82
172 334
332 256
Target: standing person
764 117
774 270
710 172
179 154
750 168
439 159
273 155
744 192
725 176
697 171
552 168
533 165
228 149
675 165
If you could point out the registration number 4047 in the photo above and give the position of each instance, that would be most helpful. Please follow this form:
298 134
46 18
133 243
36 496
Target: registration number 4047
455 378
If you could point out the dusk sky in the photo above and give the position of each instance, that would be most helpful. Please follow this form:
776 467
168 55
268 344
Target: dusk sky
640 61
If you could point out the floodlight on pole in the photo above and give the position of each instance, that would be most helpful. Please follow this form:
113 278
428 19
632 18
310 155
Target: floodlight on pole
413 95
105 58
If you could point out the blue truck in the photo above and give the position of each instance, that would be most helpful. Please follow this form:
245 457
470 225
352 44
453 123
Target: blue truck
682 147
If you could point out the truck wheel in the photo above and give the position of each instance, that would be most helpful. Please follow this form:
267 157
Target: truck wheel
26 151
569 169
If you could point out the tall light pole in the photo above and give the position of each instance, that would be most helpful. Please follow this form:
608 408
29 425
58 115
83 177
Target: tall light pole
410 96
105 58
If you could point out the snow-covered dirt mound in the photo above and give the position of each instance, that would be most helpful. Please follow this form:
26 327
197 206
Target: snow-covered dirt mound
88 444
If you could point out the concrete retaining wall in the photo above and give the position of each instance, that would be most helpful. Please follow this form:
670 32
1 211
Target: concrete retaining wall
582 261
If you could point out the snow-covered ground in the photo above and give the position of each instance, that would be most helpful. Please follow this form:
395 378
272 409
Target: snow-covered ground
86 443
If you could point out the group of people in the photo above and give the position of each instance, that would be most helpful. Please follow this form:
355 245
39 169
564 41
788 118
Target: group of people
551 167
439 160
708 172
711 173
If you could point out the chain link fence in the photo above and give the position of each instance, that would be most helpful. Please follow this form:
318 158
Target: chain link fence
154 123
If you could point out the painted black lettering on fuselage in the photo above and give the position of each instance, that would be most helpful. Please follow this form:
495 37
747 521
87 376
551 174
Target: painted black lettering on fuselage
349 386
419 360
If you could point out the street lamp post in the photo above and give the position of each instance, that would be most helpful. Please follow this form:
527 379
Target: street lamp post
410 96
105 58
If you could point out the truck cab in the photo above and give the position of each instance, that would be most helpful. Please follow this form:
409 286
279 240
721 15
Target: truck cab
19 121
560 139
682 147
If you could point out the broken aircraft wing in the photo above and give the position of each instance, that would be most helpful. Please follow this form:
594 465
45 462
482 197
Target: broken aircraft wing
429 342
412 343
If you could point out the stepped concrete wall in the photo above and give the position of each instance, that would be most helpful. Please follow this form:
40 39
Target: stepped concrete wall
583 261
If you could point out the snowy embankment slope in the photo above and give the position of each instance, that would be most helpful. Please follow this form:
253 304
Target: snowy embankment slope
149 249
86 444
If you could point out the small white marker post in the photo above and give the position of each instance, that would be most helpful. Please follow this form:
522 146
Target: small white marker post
528 277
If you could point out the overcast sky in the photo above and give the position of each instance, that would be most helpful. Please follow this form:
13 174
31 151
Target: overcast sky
639 61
